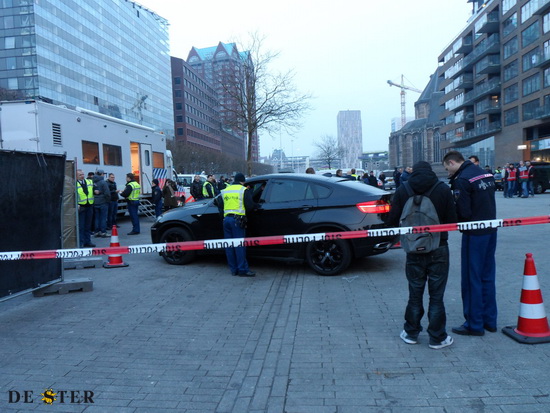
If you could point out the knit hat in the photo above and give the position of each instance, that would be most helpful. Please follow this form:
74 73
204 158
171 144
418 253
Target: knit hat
239 177
422 165
155 181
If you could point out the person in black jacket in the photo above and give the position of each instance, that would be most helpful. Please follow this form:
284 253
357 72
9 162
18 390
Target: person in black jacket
474 193
432 267
157 197
196 188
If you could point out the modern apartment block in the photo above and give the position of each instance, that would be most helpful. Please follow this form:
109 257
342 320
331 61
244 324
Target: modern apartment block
350 137
496 79
219 65
109 56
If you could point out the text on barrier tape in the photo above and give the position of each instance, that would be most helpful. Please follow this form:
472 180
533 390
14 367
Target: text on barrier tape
271 240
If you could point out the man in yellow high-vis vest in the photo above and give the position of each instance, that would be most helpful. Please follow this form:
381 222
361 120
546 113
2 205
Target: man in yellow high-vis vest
85 198
131 193
236 200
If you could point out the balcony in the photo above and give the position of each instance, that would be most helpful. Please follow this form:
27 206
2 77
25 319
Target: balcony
542 59
543 6
466 81
488 23
490 87
488 107
475 135
464 45
489 64
490 46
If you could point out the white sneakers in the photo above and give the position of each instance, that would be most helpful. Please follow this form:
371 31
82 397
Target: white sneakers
445 343
411 340
407 339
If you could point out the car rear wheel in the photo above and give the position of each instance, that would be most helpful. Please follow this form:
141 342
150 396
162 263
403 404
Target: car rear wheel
329 257
177 257
538 188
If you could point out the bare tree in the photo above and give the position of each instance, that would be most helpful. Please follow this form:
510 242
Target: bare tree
189 158
260 99
328 150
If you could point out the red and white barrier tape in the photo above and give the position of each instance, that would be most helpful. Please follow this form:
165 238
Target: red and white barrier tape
272 240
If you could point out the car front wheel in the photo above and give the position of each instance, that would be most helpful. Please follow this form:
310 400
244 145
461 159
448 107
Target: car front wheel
329 257
177 257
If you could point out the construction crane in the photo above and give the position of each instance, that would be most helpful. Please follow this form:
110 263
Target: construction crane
403 88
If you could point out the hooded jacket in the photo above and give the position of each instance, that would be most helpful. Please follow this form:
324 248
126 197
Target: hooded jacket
101 185
421 180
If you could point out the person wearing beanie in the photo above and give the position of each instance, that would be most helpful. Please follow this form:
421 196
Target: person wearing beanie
430 268
156 197
235 202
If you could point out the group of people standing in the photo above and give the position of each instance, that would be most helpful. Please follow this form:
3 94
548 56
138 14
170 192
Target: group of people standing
518 179
98 204
471 197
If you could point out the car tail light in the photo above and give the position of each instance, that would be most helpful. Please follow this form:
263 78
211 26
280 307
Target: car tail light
374 207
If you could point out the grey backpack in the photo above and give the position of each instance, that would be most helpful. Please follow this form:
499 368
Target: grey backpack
419 211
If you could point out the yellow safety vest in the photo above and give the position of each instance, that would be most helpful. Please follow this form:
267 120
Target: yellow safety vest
233 200
205 192
84 199
134 195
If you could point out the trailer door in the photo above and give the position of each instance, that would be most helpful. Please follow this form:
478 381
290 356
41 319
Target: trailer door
142 165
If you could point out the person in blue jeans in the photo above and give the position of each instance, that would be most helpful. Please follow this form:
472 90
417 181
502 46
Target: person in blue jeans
474 193
432 268
157 197
131 193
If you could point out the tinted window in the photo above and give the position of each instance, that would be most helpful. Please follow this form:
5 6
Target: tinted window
322 191
285 191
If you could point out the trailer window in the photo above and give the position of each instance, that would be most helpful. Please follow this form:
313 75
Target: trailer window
112 155
90 152
158 160
147 157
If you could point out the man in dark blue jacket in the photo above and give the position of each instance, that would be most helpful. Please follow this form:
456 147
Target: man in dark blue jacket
474 193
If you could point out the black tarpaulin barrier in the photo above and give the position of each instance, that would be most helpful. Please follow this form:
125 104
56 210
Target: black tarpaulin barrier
31 195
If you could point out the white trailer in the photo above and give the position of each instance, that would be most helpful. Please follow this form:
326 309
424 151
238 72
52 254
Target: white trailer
95 140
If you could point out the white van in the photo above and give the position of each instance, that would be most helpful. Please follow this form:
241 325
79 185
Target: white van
184 184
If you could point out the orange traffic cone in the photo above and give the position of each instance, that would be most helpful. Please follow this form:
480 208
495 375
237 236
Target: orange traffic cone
114 260
532 325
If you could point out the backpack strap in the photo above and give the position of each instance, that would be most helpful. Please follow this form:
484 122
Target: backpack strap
432 188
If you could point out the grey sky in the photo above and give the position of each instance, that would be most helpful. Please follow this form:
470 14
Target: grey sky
342 52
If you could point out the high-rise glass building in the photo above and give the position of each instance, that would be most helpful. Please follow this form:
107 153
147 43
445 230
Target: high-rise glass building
110 56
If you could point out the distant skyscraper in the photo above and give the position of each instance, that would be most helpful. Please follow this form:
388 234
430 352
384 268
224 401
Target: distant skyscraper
219 65
350 137
110 56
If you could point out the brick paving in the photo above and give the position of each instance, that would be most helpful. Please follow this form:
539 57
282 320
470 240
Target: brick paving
158 338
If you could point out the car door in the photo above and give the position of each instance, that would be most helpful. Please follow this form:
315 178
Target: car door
287 206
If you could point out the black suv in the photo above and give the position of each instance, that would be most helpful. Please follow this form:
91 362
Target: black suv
290 204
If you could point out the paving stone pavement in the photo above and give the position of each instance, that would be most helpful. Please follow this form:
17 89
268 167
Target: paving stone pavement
158 338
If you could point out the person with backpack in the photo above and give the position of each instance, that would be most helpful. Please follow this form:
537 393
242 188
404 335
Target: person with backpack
474 194
423 200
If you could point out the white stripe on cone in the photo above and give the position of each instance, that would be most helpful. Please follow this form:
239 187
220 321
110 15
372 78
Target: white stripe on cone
532 311
531 282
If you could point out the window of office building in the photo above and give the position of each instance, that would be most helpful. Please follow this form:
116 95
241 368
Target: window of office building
528 9
531 84
180 131
511 116
529 109
511 70
546 76
529 59
530 34
511 93
546 23
507 5
510 47
510 24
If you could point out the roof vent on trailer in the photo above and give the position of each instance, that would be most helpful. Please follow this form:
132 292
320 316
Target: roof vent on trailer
56 134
